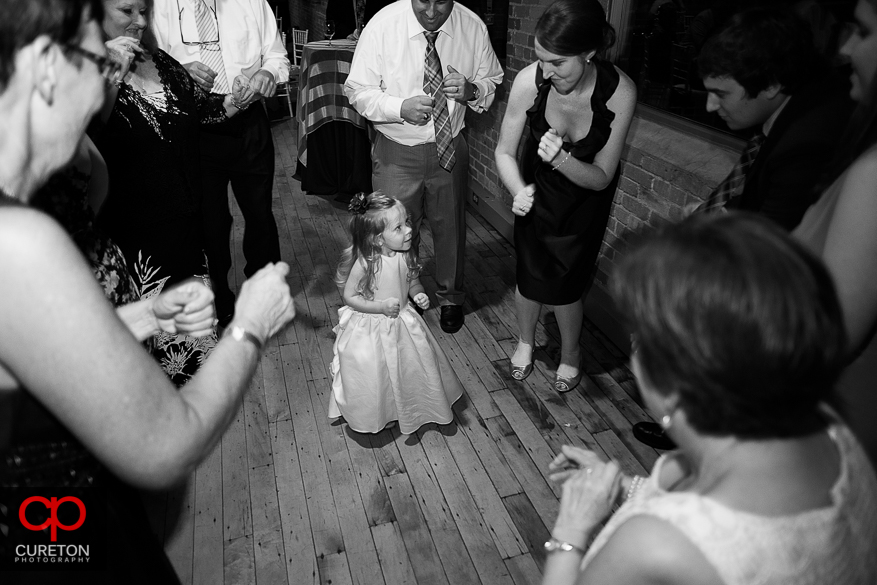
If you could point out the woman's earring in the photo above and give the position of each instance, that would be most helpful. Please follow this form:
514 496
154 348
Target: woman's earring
666 421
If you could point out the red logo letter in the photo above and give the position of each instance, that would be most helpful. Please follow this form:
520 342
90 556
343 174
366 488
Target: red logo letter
53 518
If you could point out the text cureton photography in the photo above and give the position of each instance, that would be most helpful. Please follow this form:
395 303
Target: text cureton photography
52 529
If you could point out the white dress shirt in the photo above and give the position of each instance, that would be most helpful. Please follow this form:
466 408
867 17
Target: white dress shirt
247 34
388 68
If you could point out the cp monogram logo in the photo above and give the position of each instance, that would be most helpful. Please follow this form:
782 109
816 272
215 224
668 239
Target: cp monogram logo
53 519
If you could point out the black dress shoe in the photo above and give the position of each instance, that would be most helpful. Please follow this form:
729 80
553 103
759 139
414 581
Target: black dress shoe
451 318
653 435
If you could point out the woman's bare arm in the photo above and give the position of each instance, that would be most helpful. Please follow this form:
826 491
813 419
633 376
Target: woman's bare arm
94 376
851 249
520 99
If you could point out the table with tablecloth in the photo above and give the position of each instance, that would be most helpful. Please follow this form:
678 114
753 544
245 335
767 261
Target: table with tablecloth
334 153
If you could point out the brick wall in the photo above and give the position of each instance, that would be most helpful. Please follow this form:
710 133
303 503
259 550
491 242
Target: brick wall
310 15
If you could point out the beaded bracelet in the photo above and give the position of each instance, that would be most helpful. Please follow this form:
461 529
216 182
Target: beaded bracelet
237 104
635 484
555 167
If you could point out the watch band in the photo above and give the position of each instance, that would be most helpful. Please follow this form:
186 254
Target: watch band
554 545
240 334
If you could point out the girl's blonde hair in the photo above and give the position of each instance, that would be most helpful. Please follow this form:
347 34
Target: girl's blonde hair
370 215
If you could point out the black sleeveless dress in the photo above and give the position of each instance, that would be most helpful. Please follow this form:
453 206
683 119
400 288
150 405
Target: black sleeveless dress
558 241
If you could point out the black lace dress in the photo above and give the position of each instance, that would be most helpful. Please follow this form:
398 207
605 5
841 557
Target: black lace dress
558 241
150 144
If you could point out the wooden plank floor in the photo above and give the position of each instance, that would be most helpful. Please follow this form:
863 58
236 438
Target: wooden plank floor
289 497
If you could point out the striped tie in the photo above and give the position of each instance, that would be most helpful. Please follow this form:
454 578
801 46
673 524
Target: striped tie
211 53
731 188
432 84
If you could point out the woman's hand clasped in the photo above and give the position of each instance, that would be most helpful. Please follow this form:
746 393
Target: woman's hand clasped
550 145
265 305
590 488
242 93
523 201
123 50
187 308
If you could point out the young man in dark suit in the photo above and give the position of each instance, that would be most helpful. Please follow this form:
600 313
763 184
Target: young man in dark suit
762 73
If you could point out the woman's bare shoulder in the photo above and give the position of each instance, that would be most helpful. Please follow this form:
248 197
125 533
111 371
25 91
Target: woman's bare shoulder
24 229
864 168
36 251
525 80
625 92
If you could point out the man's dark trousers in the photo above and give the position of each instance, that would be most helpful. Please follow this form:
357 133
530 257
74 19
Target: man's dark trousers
239 151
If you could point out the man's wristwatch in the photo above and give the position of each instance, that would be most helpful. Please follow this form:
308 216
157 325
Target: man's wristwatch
555 545
475 93
241 334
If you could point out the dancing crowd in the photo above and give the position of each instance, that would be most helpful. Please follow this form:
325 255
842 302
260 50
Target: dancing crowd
124 351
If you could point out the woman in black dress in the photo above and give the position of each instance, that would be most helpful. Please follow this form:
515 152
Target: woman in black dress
579 109
149 140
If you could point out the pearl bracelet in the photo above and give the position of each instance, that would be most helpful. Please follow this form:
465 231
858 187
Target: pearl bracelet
557 166
635 484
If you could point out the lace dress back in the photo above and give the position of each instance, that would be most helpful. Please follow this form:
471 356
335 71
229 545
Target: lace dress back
835 544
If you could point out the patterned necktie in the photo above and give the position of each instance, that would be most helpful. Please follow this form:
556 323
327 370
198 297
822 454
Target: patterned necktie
732 187
211 53
432 84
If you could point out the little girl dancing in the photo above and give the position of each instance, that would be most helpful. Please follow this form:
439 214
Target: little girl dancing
387 364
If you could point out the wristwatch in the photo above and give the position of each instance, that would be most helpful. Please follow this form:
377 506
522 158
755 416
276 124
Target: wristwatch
554 545
240 334
475 93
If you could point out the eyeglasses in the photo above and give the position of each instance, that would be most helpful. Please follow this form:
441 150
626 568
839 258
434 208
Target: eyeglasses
201 42
109 70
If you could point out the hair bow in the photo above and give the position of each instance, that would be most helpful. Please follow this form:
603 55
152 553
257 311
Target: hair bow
358 205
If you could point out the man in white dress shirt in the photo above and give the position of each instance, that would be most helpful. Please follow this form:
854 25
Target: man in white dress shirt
216 41
419 65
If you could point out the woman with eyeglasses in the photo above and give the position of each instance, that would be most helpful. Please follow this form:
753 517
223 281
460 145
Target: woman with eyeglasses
842 228
739 340
148 134
84 410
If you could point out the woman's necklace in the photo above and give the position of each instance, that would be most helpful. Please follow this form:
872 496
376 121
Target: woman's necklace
136 84
140 83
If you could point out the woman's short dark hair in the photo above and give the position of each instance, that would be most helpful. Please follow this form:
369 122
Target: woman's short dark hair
22 21
762 47
573 27
737 318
